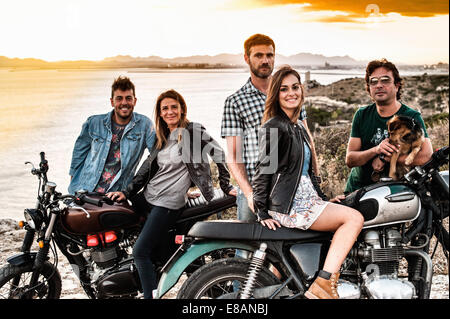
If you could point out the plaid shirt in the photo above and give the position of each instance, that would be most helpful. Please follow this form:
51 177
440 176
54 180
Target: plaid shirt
242 115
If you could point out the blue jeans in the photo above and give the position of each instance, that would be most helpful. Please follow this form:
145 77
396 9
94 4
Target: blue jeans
152 237
243 211
245 214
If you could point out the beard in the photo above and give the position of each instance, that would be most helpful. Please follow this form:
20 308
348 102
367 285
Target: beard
387 97
127 115
259 72
124 117
383 101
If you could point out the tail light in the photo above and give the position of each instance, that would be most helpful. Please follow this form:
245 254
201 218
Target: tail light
110 236
92 240
103 238
179 239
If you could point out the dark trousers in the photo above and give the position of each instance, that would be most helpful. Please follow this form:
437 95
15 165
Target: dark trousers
153 237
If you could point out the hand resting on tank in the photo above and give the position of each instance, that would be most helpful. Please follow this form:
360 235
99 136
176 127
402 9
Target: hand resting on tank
116 196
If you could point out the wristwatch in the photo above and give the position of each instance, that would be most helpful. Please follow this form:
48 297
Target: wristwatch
381 157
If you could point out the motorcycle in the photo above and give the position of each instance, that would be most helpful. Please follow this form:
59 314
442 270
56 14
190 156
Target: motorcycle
96 235
389 260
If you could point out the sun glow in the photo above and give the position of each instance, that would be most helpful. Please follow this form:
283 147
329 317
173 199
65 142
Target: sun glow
76 30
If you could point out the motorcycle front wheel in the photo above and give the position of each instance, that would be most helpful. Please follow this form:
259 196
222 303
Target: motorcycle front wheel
221 278
15 282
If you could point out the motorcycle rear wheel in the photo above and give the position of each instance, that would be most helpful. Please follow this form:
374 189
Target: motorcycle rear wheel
14 282
220 277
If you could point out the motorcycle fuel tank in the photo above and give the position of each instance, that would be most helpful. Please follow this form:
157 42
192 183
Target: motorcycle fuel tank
119 215
386 204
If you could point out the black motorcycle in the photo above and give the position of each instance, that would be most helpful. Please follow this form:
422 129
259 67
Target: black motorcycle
96 235
389 260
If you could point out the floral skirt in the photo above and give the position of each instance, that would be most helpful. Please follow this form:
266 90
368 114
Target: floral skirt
306 207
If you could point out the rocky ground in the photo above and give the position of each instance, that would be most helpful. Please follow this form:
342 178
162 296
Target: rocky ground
427 93
336 103
12 238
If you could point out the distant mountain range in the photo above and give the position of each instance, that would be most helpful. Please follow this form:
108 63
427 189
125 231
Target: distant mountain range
238 59
221 60
225 60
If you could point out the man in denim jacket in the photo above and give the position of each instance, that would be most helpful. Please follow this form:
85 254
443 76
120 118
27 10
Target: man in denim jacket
110 146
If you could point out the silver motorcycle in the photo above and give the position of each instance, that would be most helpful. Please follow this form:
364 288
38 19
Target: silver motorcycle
391 259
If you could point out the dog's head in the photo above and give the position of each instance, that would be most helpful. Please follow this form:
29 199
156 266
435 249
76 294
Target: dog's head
403 129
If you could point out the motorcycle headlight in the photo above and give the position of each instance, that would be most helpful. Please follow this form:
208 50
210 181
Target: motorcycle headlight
33 218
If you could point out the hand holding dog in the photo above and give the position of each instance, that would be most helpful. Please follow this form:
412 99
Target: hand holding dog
386 148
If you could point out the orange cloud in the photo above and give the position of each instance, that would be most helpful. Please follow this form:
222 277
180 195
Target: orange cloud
337 19
360 9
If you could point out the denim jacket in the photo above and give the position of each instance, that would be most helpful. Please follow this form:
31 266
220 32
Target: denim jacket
92 147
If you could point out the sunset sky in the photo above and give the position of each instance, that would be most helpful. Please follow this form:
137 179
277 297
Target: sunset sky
402 31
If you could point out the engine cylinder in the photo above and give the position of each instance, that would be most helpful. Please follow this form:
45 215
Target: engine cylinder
104 258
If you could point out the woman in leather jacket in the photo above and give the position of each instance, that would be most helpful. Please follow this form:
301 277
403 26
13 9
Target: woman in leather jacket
178 161
285 189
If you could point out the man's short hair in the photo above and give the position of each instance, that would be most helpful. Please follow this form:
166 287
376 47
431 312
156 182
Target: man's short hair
383 63
122 83
257 39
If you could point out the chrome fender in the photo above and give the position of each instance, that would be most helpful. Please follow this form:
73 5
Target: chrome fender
173 272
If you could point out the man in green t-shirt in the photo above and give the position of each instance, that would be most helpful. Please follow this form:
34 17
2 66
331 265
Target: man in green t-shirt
368 148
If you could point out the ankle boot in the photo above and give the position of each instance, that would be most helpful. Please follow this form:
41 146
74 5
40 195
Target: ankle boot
323 288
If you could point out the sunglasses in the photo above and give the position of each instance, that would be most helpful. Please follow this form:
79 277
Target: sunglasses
384 80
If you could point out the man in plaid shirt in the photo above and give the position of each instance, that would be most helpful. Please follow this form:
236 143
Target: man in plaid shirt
241 120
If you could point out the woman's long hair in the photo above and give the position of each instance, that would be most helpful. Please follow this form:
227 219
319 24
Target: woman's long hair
273 107
162 130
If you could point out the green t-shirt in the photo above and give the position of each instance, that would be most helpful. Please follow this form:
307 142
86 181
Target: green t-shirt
371 128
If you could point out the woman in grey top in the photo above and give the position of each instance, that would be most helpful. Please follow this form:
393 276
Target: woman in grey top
178 160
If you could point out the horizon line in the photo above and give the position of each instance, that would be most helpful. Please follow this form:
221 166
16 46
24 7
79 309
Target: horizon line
441 61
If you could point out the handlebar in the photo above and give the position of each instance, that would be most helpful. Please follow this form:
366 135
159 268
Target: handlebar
84 197
81 199
441 154
43 168
438 158
108 200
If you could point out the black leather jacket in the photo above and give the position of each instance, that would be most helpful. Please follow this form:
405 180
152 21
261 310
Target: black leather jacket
195 145
275 183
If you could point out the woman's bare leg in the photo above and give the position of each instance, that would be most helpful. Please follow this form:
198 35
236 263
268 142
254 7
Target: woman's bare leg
346 223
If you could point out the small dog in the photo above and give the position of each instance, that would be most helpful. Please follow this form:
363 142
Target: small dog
407 133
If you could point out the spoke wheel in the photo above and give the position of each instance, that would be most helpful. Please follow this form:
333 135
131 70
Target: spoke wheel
222 277
15 282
